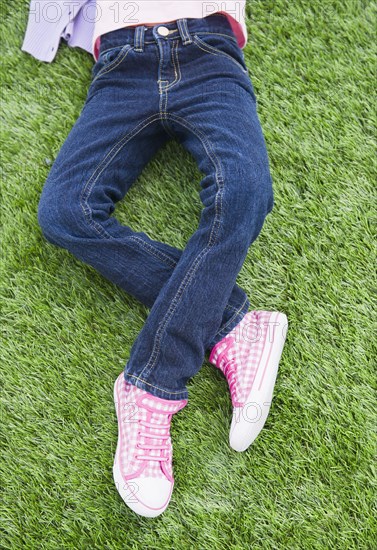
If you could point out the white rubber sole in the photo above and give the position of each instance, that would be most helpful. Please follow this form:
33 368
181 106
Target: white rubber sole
134 492
248 421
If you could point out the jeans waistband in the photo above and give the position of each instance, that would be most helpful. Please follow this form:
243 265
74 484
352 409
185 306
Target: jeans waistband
180 28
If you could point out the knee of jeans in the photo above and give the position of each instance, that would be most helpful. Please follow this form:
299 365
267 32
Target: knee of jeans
256 193
60 217
250 201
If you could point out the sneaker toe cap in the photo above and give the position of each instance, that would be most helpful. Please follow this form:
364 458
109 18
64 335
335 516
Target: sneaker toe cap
246 425
146 496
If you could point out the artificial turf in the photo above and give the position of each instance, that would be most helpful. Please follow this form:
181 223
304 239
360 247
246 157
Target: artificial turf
308 481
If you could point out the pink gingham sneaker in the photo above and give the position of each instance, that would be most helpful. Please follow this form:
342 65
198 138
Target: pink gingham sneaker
249 358
142 470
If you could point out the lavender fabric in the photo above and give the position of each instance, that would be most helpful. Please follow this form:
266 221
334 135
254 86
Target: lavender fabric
49 22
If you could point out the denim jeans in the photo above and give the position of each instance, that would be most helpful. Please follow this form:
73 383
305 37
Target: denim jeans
147 87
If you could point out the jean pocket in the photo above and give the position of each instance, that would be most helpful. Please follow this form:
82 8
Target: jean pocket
109 59
222 45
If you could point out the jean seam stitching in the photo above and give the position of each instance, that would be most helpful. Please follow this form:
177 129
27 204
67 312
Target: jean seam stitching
183 31
175 68
228 306
217 34
231 319
110 49
89 185
114 63
211 241
198 33
162 91
178 76
155 252
88 188
213 51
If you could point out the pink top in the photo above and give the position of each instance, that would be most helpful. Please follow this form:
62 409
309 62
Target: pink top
126 13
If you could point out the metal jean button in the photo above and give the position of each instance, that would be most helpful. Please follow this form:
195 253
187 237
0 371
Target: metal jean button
163 31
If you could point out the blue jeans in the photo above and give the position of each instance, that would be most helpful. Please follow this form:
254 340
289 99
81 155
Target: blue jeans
148 87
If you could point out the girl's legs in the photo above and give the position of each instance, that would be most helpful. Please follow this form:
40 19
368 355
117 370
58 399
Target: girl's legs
142 92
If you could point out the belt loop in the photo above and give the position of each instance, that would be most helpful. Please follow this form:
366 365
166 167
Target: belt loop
183 31
139 38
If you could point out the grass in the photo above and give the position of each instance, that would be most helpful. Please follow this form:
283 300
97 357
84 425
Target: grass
308 482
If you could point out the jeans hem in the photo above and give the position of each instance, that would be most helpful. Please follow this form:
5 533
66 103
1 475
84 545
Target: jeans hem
231 324
155 390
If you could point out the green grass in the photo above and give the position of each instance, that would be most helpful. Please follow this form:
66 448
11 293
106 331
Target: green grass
308 481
